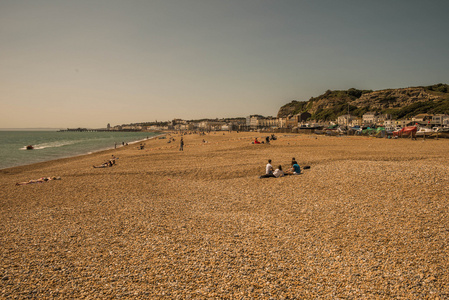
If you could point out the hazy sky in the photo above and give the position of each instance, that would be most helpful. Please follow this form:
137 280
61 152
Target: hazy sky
89 63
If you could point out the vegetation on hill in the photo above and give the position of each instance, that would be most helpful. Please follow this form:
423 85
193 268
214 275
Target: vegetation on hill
436 107
400 103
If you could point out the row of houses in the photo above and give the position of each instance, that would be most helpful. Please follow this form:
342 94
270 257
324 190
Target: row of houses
368 119
183 125
290 122
385 120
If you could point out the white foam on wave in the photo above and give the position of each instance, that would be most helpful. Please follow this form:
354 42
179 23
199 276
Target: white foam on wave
50 145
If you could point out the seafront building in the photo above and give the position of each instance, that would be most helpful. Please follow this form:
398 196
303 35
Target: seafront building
291 122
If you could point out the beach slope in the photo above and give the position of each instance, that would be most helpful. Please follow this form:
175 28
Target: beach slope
369 219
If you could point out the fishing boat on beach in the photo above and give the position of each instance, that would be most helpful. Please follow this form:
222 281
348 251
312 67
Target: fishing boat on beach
442 132
409 131
425 132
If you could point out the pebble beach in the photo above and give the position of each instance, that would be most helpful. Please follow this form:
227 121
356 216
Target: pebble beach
368 220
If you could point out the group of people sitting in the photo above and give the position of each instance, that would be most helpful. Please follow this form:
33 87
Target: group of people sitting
267 140
109 163
295 169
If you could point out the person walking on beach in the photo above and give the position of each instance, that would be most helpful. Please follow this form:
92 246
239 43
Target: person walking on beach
181 148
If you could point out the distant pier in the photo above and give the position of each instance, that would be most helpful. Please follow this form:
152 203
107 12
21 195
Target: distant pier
97 130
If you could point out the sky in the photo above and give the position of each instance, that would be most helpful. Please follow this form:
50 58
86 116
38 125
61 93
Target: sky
87 63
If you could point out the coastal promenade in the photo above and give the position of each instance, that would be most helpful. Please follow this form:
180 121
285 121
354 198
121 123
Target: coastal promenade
368 220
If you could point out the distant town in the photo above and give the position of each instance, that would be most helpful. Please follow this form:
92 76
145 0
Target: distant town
292 123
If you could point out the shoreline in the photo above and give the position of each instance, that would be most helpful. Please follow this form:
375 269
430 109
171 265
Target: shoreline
87 153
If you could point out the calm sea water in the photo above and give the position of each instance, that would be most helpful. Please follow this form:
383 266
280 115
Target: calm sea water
49 145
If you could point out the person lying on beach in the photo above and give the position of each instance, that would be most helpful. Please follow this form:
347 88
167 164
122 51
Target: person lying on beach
105 165
109 163
40 180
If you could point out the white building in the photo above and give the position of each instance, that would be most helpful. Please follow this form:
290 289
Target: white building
381 119
440 120
356 122
403 122
253 120
390 123
345 119
369 118
211 125
268 122
282 122
422 118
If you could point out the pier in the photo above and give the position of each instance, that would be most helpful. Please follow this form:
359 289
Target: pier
97 130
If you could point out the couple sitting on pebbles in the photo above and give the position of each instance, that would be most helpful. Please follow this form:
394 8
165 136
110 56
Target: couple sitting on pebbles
270 172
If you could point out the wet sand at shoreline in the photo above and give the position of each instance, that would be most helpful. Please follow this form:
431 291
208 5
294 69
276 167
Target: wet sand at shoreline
368 220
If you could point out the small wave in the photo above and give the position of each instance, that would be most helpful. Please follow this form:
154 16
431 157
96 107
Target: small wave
50 145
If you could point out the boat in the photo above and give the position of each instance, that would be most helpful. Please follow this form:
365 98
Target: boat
29 147
442 132
441 129
406 132
423 131
391 129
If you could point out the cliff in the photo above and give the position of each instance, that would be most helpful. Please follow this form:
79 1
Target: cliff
401 103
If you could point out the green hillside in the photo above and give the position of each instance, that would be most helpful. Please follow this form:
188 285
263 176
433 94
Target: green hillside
400 103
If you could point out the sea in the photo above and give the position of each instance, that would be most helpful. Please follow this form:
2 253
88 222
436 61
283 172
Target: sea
53 144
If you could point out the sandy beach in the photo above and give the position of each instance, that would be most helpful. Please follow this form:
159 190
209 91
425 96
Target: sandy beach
368 220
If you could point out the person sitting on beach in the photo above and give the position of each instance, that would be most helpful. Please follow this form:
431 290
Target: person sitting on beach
267 139
40 180
278 172
268 170
295 169
256 141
